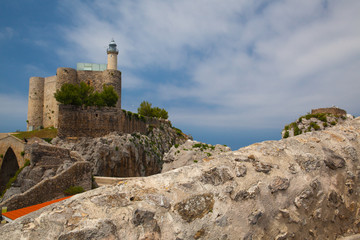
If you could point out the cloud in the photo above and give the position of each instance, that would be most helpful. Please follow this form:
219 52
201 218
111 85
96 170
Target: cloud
13 112
246 62
13 104
6 33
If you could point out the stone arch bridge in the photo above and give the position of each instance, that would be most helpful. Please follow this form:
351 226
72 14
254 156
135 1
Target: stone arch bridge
11 157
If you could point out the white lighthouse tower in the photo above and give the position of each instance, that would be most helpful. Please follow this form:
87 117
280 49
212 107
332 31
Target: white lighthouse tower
112 54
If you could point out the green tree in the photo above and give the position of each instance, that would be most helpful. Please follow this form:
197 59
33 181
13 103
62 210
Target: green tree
109 96
83 94
68 95
145 109
160 113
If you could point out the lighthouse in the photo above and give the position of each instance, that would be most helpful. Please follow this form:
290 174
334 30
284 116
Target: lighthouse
112 53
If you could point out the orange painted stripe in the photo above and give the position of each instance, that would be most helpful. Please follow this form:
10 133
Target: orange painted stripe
24 211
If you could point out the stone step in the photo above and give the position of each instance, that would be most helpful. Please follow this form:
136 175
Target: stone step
102 181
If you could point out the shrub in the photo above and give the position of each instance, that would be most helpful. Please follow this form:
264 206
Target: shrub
296 129
176 145
178 131
48 140
325 124
286 134
116 148
1 155
147 110
333 123
74 190
314 126
22 153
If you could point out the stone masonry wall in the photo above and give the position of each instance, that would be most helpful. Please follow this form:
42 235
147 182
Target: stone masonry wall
332 110
50 110
96 122
36 103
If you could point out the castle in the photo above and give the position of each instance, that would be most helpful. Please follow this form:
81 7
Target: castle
43 109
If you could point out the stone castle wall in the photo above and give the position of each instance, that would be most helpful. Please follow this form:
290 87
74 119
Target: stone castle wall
50 108
43 108
96 122
36 102
332 110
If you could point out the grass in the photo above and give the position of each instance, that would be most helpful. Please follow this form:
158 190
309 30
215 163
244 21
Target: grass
47 133
74 190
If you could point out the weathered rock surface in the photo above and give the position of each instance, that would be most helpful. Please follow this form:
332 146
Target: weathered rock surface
289 191
126 155
191 152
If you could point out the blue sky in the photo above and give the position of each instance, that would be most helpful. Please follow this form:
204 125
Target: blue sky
232 72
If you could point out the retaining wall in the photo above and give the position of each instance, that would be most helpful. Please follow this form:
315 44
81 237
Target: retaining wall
77 121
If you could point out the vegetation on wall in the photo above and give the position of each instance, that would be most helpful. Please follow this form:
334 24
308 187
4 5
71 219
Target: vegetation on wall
84 95
147 110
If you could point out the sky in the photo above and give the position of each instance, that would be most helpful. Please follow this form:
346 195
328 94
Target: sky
230 72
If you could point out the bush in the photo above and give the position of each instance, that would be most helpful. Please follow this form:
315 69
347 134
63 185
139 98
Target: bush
314 126
286 134
83 94
145 109
74 190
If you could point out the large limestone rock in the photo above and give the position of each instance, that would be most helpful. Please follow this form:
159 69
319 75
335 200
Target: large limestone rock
126 155
303 187
191 152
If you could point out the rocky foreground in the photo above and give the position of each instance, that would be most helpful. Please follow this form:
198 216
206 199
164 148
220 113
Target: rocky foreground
303 187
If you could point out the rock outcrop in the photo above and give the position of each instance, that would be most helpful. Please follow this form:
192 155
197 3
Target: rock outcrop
315 121
303 187
191 152
126 155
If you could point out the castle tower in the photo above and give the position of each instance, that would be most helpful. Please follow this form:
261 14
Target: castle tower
112 53
36 103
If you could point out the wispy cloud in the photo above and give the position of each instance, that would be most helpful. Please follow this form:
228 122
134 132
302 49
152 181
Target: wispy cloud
13 112
248 61
6 33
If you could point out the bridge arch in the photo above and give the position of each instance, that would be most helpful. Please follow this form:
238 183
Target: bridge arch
18 147
8 168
